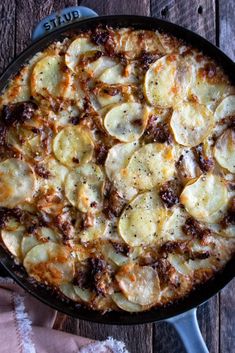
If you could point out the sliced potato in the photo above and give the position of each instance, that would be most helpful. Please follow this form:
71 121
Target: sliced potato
64 116
17 182
188 267
57 174
68 290
12 224
179 263
103 111
169 43
210 263
48 77
73 146
191 123
96 231
42 235
84 294
142 40
172 229
166 81
32 147
12 240
119 259
108 95
77 47
26 142
118 158
83 187
28 242
81 252
225 108
140 285
74 92
111 254
126 304
113 94
126 121
18 91
187 168
120 37
152 164
209 85
19 87
142 220
115 75
50 263
115 164
205 198
96 68
228 232
224 150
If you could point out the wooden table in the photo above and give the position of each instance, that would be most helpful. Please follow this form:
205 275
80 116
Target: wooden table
213 19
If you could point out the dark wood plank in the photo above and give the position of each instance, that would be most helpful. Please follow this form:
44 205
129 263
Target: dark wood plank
29 13
138 339
226 34
166 340
208 318
114 7
200 17
7 32
227 319
226 26
197 15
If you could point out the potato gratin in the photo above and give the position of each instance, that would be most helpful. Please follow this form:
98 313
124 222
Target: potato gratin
117 171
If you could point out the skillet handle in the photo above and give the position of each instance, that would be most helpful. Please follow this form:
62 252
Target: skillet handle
187 327
61 18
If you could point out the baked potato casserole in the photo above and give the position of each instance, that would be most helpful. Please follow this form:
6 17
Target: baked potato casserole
117 168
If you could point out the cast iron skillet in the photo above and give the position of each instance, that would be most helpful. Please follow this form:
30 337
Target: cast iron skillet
182 314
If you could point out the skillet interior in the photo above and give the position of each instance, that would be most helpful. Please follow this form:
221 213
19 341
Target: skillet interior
49 297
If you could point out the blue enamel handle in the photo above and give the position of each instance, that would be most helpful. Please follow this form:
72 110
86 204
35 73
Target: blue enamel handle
187 327
61 18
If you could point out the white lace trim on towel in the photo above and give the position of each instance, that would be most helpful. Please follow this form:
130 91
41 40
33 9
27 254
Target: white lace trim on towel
24 325
6 280
100 347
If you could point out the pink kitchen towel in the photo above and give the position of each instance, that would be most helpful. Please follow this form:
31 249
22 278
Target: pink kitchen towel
26 327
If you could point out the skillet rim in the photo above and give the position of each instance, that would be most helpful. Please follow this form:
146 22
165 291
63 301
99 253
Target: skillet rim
199 295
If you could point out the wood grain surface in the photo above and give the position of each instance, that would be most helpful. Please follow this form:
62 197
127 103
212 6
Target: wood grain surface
226 36
213 19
